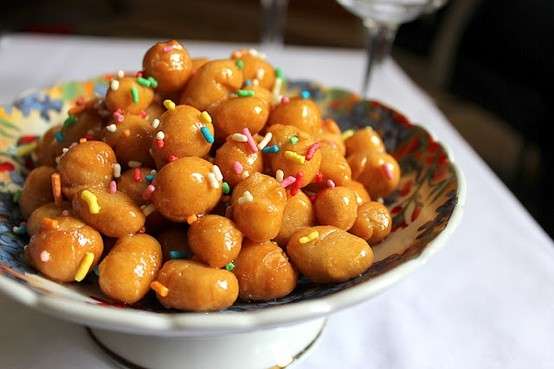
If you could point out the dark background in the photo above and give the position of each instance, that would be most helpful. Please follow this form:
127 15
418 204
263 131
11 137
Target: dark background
486 63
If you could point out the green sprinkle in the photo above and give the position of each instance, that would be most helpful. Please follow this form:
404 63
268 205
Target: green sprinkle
226 188
153 82
293 140
70 120
177 254
135 95
16 196
230 266
240 64
143 82
279 73
245 93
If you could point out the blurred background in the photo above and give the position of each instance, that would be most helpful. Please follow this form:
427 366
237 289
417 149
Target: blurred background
486 63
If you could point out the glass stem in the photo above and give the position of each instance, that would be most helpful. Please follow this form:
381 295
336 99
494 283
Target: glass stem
274 18
380 37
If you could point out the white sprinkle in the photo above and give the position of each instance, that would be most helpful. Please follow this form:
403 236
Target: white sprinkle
114 84
160 135
263 143
147 209
213 180
255 82
279 175
134 164
277 90
155 123
246 197
253 52
217 172
260 73
153 172
239 137
44 256
116 170
65 150
245 174
111 128
120 73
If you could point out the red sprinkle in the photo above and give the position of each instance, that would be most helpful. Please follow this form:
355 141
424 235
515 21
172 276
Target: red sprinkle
160 143
313 197
318 177
113 187
148 192
143 114
285 100
295 187
311 151
171 158
137 175
139 73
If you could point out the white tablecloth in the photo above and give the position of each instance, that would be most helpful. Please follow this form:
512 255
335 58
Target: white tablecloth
485 301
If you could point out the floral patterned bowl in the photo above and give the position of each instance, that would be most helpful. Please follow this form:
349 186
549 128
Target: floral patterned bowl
425 208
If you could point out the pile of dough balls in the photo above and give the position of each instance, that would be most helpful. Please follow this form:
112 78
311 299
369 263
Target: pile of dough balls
199 180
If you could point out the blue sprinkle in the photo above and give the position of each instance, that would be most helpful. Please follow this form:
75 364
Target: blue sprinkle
248 82
149 177
273 149
58 136
305 94
207 135
177 254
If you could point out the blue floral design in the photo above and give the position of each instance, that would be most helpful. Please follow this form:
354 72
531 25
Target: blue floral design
43 104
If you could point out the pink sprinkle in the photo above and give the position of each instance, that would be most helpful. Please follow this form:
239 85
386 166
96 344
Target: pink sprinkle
288 181
237 167
311 150
65 213
113 187
387 170
148 192
330 183
139 74
167 49
143 114
160 144
118 115
313 197
251 143
285 100
171 158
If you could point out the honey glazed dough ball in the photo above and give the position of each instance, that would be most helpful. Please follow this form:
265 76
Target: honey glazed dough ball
83 121
112 214
373 223
37 190
236 113
48 148
197 63
334 166
211 84
169 63
60 246
312 249
330 135
298 213
174 242
214 240
255 67
184 189
361 193
179 135
49 210
88 164
264 272
258 205
261 93
237 161
364 140
192 286
131 265
336 206
131 140
298 112
379 173
129 96
155 110
133 182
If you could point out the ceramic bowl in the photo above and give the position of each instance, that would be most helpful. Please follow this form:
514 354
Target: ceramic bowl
426 208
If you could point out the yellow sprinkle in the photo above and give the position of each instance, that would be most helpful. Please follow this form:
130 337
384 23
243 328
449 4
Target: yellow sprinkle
147 209
169 105
25 150
312 236
159 288
84 267
291 155
192 218
91 201
205 117
347 134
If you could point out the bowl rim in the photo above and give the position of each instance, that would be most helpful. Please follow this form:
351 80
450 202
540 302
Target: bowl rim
179 324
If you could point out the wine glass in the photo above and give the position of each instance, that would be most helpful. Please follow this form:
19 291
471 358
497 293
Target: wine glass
274 14
381 19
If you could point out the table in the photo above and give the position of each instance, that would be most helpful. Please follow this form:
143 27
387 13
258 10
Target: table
485 301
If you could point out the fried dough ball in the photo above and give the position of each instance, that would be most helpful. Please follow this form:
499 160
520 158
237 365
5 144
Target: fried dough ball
169 63
154 110
174 240
261 93
131 265
258 205
233 152
361 194
192 286
298 213
364 140
83 121
255 67
60 246
211 84
373 222
180 135
132 140
330 134
214 240
133 183
264 272
334 166
49 210
326 254
130 96
236 113
183 189
112 214
97 157
48 148
197 63
379 173
336 206
298 112
37 190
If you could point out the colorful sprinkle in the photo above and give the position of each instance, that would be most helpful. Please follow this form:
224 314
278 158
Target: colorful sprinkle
240 64
160 144
291 155
294 140
120 73
312 150
56 183
239 137
230 266
167 49
260 74
160 135
111 128
245 93
217 172
245 198
159 288
20 229
177 254
58 136
288 181
250 140
135 95
273 149
248 83
134 164
150 177
139 73
117 170
347 134
214 183
155 123
226 188
26 149
171 158
279 175
263 143
169 105
113 187
237 167
44 256
49 223
245 174
118 116
143 82
153 82
84 266
137 175
296 185
205 117
192 218
310 237
331 183
69 121
285 100
114 85
279 73
318 177
91 201
147 194
147 209
305 94
207 135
